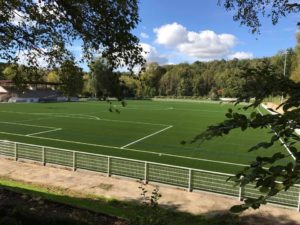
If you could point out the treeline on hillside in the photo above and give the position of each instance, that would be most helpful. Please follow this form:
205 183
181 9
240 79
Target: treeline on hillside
211 79
205 79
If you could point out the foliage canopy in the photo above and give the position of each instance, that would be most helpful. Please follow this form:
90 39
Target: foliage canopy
47 28
248 12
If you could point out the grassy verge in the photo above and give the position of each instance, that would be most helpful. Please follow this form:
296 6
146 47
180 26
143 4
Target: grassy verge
112 207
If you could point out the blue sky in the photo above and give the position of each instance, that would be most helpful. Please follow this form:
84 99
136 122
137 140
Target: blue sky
200 26
175 31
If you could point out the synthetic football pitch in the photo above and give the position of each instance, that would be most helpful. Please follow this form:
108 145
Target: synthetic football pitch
143 130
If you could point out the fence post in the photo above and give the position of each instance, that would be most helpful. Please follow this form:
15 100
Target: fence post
190 180
146 173
241 189
299 202
241 194
43 156
16 151
74 161
108 166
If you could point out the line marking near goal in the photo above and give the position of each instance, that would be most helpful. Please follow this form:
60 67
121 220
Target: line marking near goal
43 132
143 138
127 149
280 139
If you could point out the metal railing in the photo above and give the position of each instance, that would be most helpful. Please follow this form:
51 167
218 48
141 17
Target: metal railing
191 179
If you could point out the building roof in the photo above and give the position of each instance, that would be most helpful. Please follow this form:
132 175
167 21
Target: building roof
6 82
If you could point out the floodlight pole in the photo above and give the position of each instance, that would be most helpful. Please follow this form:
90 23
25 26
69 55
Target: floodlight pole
284 71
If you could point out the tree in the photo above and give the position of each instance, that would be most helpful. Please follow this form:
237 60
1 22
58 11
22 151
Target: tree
296 71
14 73
104 81
53 77
248 12
271 175
44 29
2 68
131 86
22 75
285 61
169 83
230 82
71 77
150 79
87 85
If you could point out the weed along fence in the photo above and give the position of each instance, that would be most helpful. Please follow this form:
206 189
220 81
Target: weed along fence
191 179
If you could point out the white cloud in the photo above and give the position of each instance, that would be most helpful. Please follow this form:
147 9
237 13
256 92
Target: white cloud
171 34
144 35
151 54
241 55
202 45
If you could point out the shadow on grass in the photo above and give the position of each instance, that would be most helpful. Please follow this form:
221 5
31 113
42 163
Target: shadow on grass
41 208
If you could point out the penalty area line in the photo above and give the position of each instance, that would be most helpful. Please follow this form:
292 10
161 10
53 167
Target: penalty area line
43 132
143 138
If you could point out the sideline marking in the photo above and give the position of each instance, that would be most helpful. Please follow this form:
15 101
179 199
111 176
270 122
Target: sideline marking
42 132
128 149
280 139
150 135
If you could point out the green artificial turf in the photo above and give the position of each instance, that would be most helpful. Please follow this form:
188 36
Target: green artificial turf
161 126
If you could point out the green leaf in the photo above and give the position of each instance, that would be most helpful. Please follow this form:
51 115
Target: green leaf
228 115
264 189
237 209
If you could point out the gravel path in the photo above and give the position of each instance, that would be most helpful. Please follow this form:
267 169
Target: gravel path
122 189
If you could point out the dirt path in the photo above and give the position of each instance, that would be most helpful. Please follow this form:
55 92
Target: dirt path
97 184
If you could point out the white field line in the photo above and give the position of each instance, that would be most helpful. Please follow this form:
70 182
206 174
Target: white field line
149 108
172 108
280 139
155 108
74 116
88 117
30 120
187 157
43 132
127 149
135 122
28 125
150 135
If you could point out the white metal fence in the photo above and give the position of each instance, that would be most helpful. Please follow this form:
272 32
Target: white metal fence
191 179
